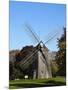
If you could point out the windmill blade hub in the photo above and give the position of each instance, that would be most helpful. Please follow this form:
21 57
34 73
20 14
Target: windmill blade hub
41 44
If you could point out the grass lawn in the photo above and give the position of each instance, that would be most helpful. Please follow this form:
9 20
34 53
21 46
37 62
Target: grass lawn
57 81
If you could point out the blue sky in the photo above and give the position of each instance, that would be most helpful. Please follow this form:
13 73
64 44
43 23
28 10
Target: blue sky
42 17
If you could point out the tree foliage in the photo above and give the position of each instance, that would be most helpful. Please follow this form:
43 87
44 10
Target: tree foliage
61 54
54 67
16 68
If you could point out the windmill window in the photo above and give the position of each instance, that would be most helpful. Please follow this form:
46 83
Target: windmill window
42 71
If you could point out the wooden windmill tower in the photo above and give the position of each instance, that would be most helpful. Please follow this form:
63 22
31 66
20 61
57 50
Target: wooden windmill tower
38 59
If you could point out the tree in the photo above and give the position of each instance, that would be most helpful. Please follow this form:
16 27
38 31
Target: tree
54 67
11 70
61 54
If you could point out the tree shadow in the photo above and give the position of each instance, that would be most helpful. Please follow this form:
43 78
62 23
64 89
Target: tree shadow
44 84
55 83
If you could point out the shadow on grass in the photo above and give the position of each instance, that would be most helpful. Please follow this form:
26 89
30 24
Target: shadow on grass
55 83
44 84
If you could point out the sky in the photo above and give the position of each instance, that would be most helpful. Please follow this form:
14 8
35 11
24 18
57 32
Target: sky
44 18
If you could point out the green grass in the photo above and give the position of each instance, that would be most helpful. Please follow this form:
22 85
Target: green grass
57 81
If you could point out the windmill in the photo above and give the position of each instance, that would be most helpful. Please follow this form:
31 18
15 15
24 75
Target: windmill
38 59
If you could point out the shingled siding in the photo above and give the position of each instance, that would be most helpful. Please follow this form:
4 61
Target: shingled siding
43 65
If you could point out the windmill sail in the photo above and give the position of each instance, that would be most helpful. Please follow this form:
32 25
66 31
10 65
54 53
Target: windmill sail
33 35
27 60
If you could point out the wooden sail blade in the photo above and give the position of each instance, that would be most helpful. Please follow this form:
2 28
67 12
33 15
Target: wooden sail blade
32 34
51 38
27 60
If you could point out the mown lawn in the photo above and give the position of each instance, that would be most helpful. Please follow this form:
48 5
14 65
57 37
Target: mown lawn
57 81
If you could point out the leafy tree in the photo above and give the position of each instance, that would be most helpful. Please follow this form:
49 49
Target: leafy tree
54 67
11 70
61 54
